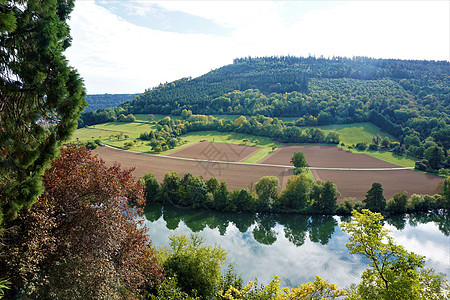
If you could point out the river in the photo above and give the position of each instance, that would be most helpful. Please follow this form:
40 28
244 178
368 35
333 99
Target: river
297 247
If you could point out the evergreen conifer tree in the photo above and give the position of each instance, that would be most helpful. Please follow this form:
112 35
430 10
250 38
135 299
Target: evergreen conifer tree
40 96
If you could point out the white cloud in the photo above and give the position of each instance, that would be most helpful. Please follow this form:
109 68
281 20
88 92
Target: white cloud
115 56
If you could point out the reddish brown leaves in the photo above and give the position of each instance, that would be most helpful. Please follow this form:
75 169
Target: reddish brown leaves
84 212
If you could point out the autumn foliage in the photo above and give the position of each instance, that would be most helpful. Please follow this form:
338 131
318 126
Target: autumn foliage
82 237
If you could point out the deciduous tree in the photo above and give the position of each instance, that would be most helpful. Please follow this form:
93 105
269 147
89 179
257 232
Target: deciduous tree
393 273
196 266
81 235
296 194
267 189
299 162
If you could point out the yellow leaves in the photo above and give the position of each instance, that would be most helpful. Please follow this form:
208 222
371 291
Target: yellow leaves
317 290
234 294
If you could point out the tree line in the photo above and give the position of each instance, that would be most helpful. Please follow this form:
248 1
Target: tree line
301 195
168 130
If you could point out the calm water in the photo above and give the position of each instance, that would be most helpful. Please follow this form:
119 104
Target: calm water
297 247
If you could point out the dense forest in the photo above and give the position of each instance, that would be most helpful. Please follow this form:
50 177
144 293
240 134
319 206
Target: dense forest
102 101
402 97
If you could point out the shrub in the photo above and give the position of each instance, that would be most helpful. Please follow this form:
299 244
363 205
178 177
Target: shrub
196 267
361 146
373 147
397 205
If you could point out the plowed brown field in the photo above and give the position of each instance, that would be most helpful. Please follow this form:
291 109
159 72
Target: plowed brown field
355 183
325 156
217 151
350 183
235 175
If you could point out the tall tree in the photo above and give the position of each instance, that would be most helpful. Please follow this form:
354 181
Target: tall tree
324 196
375 200
267 190
296 193
299 162
152 188
435 157
40 96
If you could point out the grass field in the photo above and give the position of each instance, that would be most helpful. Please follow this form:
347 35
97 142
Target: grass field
106 130
351 134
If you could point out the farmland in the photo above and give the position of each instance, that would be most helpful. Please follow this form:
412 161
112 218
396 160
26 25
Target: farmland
355 181
216 152
350 183
235 175
213 146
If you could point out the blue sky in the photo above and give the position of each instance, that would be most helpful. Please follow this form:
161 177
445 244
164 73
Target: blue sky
128 46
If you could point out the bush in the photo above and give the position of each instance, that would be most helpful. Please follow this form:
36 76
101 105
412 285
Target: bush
397 205
346 207
90 145
421 165
373 147
196 267
361 146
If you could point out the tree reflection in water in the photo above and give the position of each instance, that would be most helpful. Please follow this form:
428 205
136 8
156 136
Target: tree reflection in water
319 228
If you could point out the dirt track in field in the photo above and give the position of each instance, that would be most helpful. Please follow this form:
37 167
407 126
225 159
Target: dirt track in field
235 175
350 183
216 151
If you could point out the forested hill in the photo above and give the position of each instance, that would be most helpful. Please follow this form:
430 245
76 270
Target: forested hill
400 96
102 101
303 87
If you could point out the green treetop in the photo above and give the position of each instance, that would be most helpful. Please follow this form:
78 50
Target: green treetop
375 200
299 162
393 273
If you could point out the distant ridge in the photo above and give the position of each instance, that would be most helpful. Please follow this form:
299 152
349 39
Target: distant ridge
102 101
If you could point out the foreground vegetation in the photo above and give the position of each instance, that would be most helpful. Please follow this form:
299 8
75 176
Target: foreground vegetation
82 238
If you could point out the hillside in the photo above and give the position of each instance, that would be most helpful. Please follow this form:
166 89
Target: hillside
403 97
308 86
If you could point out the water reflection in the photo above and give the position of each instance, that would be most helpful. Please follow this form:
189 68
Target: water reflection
298 247
296 227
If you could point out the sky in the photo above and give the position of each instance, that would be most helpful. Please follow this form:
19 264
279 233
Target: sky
126 46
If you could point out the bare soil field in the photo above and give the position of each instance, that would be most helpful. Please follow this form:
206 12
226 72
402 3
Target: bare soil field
355 183
235 175
350 183
216 151
325 156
